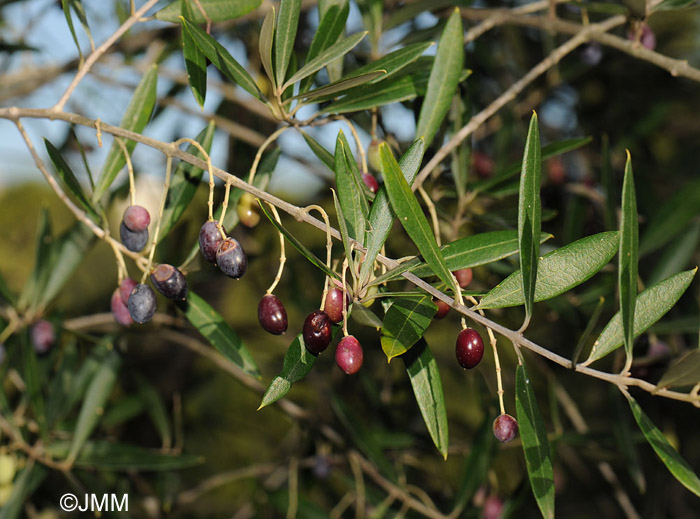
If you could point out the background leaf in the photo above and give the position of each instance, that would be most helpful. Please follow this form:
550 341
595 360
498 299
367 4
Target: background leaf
329 30
627 269
405 323
350 193
530 215
535 444
559 271
217 10
683 372
322 153
219 334
670 457
285 33
267 35
652 305
426 382
136 116
195 61
444 78
69 179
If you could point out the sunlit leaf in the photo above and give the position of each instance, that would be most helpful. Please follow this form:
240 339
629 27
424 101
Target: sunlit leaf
559 271
535 444
217 10
285 33
219 334
668 455
405 323
426 382
351 194
652 305
136 116
195 61
267 35
338 86
444 78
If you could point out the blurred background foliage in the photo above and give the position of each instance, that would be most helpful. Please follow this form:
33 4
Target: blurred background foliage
596 92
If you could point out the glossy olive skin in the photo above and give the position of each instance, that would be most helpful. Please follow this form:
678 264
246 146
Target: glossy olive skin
442 308
135 241
119 309
464 277
170 282
136 218
142 304
505 427
469 348
272 315
333 305
349 354
248 210
231 258
370 182
317 331
209 240
125 288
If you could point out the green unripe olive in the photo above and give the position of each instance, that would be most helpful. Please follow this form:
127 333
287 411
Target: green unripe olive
375 162
7 469
248 210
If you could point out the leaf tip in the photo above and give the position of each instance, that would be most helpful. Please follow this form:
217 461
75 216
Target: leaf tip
629 155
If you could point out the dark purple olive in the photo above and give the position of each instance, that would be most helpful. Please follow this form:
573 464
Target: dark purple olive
272 315
119 309
333 304
132 240
43 336
469 349
136 218
231 258
170 282
317 331
125 288
209 240
505 427
348 355
142 303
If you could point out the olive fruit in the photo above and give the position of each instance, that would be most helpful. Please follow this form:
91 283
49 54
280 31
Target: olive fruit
464 277
248 210
317 331
272 315
135 241
348 355
505 427
375 161
442 308
370 182
231 258
119 309
170 282
142 303
136 218
493 508
333 304
125 288
43 336
209 240
483 164
469 349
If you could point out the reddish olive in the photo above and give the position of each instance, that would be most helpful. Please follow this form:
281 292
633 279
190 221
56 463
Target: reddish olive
469 349
348 355
317 331
272 315
505 427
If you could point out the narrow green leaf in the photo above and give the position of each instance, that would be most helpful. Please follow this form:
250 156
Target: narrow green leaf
530 215
364 316
104 455
669 456
395 61
683 372
627 268
460 156
184 183
33 381
217 10
69 20
535 444
471 251
219 334
298 245
222 59
332 53
24 485
381 217
411 216
344 233
297 363
33 288
592 322
395 90
426 382
652 305
477 465
678 255
136 116
286 31
372 11
267 35
98 392
405 323
5 292
559 271
195 61
69 179
623 434
338 86
444 78
351 193
322 153
329 30
413 9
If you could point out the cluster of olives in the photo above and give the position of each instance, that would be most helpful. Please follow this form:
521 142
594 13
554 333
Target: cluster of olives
134 302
